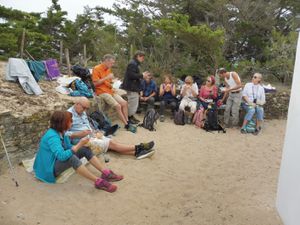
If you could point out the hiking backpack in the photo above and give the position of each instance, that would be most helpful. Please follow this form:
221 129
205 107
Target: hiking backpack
80 89
100 120
179 117
84 74
211 123
198 119
150 118
250 126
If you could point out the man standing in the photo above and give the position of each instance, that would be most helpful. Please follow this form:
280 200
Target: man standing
102 77
233 90
132 83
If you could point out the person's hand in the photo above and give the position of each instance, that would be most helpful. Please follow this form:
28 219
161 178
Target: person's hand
253 104
110 76
99 135
86 132
84 141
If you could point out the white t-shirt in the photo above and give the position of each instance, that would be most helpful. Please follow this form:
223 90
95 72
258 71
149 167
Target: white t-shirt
255 92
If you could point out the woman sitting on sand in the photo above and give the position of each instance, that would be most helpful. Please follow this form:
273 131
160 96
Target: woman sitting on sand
56 154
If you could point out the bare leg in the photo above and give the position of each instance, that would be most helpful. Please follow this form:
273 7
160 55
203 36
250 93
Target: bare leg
120 113
121 148
97 164
258 123
83 171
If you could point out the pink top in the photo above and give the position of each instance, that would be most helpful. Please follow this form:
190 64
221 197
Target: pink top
205 92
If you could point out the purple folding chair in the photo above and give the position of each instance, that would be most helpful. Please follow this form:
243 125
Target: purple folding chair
52 69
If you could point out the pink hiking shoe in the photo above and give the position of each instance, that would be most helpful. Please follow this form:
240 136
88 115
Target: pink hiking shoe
110 176
104 185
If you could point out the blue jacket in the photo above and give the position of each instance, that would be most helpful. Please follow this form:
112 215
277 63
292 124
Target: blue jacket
52 147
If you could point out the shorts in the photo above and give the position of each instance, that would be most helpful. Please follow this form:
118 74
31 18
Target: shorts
112 100
99 145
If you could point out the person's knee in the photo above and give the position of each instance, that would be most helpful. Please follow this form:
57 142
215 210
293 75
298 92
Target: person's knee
118 107
74 161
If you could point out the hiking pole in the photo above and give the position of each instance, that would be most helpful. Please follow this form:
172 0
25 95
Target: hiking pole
9 163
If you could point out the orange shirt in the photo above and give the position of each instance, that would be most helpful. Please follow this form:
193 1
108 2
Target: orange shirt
99 72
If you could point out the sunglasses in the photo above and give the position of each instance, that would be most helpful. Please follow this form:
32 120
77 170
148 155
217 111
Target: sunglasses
255 77
208 81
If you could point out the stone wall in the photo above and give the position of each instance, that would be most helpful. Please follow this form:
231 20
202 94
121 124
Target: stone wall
21 134
277 105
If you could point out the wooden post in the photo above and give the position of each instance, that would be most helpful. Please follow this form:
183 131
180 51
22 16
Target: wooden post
68 61
84 56
22 44
61 53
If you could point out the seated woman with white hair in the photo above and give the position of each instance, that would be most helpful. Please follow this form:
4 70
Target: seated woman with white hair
254 99
189 93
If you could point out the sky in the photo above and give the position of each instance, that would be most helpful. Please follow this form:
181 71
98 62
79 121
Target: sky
73 7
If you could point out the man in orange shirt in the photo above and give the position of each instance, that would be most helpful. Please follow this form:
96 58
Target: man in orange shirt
102 77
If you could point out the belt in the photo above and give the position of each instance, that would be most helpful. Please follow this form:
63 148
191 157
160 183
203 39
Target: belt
235 92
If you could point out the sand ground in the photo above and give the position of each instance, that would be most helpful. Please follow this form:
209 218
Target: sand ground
195 178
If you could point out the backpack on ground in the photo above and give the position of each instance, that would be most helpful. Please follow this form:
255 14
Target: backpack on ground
80 89
198 118
212 123
102 121
179 117
150 118
84 74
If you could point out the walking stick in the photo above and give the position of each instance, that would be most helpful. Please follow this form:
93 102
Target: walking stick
9 162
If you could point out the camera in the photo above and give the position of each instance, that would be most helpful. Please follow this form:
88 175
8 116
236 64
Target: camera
254 101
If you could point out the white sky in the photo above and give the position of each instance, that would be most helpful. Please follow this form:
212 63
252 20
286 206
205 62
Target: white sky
73 7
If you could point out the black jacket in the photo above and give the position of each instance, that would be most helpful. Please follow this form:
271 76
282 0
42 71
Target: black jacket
132 78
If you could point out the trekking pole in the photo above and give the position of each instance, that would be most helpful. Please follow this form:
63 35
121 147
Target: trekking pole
9 162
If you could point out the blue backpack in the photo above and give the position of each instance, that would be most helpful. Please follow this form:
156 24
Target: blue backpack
80 89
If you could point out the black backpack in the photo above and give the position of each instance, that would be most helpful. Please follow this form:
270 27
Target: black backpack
150 118
212 123
84 74
179 117
102 121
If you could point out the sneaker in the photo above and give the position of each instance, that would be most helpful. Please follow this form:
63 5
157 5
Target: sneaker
105 185
143 153
162 118
133 120
110 176
189 120
111 130
243 131
147 146
256 132
131 128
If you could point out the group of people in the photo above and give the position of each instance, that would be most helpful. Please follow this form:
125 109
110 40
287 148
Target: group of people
70 134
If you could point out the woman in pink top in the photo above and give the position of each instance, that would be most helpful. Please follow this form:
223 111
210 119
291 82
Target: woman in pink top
207 95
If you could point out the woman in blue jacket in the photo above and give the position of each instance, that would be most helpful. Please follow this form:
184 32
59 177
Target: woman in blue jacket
56 154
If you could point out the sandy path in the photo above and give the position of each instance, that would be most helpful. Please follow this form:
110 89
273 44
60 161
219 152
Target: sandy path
194 178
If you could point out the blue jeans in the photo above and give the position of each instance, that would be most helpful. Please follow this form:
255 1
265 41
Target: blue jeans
258 110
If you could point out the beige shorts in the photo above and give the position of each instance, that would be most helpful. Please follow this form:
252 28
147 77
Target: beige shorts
99 145
112 100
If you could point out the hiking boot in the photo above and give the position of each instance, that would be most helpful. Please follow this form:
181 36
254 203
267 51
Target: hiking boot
143 153
147 146
256 132
162 118
110 176
243 131
111 130
133 120
105 185
131 128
